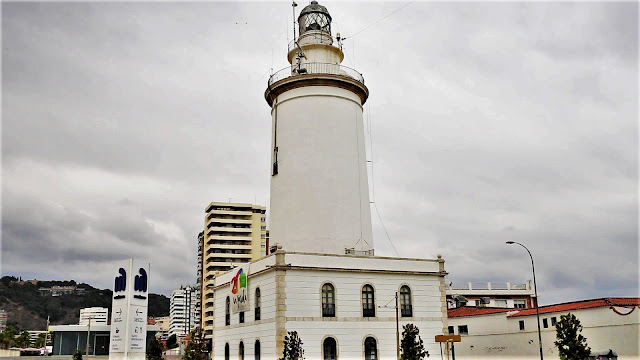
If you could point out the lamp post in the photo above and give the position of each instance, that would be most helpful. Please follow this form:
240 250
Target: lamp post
535 290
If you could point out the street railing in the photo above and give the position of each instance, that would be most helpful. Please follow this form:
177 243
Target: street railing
315 68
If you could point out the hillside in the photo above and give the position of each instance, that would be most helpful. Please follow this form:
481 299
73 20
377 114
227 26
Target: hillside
28 309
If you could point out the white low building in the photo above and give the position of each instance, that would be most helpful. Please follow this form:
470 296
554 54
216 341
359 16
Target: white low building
97 316
342 306
609 323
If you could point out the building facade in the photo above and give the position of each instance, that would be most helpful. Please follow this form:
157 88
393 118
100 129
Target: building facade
491 294
182 311
608 323
97 316
3 320
342 306
235 233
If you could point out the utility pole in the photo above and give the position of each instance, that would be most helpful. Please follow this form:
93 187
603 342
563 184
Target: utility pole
397 330
88 334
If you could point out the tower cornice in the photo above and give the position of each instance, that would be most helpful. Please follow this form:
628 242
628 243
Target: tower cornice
294 82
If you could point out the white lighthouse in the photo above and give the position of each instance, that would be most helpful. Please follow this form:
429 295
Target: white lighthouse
319 187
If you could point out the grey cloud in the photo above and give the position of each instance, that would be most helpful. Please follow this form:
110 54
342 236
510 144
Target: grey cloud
490 122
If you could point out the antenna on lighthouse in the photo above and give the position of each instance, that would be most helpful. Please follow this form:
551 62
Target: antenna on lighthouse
293 7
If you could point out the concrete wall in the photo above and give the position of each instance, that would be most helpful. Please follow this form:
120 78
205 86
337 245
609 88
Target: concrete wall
497 335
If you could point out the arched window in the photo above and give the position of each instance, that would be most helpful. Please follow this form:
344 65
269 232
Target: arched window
241 351
256 352
329 349
328 301
370 349
368 304
258 302
227 312
406 309
226 351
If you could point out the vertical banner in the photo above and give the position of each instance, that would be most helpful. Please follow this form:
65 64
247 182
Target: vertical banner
240 289
129 311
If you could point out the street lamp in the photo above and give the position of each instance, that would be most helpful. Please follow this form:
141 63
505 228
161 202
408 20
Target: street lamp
535 289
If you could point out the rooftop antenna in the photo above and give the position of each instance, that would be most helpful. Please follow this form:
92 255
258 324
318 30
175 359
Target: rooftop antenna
293 8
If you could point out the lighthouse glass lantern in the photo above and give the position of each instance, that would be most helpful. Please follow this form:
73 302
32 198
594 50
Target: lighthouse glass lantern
314 17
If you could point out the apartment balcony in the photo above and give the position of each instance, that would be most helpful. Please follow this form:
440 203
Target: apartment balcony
241 246
215 220
227 231
217 256
229 212
222 238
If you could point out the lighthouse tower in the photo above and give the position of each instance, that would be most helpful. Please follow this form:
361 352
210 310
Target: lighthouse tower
319 187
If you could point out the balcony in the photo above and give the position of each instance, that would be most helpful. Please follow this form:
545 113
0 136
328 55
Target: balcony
315 68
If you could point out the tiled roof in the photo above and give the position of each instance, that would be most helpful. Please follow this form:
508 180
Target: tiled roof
472 311
584 304
576 305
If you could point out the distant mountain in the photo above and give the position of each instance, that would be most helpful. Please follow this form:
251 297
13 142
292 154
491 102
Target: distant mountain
28 303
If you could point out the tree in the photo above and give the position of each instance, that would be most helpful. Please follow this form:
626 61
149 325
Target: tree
154 350
411 345
7 337
571 344
41 340
172 342
77 355
196 348
23 341
292 347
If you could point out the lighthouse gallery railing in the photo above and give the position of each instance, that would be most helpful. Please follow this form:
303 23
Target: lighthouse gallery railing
315 68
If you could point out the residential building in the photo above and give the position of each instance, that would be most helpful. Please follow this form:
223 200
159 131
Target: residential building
182 311
57 290
98 315
608 323
491 294
235 233
163 323
3 320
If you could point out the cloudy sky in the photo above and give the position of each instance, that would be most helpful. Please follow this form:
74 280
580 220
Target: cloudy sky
490 122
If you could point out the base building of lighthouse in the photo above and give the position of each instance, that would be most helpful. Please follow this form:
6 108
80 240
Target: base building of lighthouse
324 280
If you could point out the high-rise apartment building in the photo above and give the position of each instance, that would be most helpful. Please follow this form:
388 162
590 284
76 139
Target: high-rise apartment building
234 233
182 311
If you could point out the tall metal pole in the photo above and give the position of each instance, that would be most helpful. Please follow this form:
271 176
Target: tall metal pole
86 351
397 330
293 8
535 290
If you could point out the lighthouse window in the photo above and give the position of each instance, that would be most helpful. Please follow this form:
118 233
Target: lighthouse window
317 22
328 301
406 309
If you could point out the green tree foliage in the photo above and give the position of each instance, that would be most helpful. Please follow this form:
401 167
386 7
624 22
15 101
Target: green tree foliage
154 350
411 346
7 337
77 355
571 344
41 340
292 347
23 341
196 348
172 342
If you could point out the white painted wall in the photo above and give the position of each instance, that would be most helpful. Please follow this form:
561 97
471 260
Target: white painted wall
349 328
320 196
497 335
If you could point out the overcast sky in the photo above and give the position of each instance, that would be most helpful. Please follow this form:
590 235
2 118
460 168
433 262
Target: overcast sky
490 122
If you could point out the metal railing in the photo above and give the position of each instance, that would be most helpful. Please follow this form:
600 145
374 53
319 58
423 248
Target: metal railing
315 68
